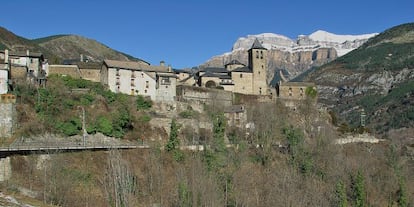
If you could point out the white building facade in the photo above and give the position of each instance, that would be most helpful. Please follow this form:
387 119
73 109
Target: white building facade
139 78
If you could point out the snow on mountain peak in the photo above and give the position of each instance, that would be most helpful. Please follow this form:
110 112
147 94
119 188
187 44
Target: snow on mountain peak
323 36
342 43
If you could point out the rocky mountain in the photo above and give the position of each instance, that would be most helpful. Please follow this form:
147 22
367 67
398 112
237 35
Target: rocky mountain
59 48
377 77
294 56
69 47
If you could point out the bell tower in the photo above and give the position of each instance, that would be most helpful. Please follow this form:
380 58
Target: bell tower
258 65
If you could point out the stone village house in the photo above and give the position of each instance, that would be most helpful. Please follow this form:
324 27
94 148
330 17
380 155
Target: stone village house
21 66
140 78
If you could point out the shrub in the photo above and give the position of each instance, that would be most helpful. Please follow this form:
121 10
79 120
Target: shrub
142 103
71 127
186 114
104 126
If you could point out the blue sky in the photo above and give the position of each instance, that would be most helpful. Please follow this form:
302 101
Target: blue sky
186 33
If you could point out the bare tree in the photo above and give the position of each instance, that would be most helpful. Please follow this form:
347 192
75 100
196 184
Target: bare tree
120 183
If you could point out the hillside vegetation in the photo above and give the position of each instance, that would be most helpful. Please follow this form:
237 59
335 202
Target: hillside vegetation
58 108
58 48
284 161
376 77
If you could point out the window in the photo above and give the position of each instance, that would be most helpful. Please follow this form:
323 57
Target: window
241 75
142 75
145 91
261 54
132 92
257 54
260 90
301 91
165 81
146 84
290 91
117 72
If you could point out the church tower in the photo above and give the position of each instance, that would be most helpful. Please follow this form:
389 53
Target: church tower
258 65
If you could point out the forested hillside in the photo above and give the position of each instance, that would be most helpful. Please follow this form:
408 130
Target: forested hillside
289 159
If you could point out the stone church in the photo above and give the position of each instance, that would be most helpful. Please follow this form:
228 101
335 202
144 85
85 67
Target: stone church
237 77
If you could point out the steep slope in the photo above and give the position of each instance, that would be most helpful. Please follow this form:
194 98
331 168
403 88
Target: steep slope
293 56
377 77
72 46
58 48
8 40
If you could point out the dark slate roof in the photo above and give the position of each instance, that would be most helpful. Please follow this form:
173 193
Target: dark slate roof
214 70
235 62
243 70
257 45
134 65
186 79
221 76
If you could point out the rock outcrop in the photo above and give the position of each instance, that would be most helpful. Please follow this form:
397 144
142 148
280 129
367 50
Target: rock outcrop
293 56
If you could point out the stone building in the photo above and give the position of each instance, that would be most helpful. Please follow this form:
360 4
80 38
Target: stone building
90 71
293 90
139 78
239 78
24 65
293 93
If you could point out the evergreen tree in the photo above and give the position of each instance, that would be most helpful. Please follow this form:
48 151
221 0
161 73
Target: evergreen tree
402 194
359 190
340 193
173 143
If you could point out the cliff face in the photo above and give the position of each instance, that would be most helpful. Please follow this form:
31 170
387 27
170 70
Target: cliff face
295 63
293 56
378 78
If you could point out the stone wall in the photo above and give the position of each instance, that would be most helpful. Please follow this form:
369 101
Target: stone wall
243 82
18 72
204 95
70 70
7 119
93 75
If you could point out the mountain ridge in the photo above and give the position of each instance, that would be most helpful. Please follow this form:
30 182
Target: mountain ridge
292 56
377 77
58 48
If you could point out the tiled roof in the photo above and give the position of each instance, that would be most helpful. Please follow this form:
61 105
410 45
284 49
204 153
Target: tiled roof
166 75
131 65
243 70
214 70
24 54
235 62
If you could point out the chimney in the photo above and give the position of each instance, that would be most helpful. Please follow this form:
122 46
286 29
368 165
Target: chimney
81 57
6 56
27 52
162 63
169 68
